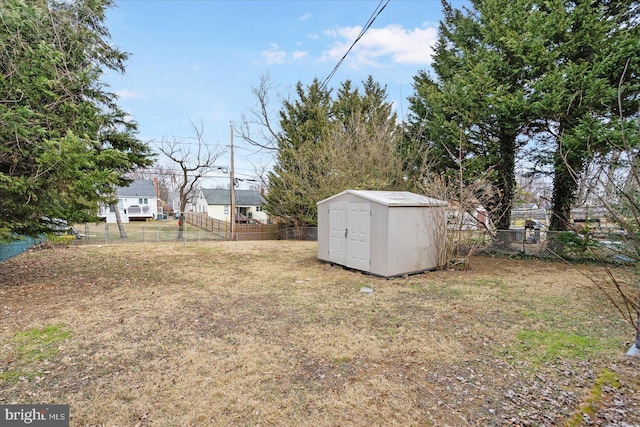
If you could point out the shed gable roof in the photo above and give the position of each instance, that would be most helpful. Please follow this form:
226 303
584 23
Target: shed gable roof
218 196
138 188
393 198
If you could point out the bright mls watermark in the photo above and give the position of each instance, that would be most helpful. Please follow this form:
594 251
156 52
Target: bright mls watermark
34 415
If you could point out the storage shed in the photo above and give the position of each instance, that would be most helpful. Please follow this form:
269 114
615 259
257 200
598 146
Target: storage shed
385 233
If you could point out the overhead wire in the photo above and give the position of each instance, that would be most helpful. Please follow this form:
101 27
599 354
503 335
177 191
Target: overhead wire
374 15
378 10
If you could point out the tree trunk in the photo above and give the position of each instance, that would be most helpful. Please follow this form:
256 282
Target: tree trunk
567 167
181 225
504 163
123 232
638 325
506 179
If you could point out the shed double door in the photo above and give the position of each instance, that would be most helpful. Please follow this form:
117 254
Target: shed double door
350 235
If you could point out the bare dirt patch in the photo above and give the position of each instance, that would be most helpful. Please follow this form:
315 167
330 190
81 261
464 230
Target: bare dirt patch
261 333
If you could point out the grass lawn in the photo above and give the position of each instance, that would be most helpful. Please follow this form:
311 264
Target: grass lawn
262 333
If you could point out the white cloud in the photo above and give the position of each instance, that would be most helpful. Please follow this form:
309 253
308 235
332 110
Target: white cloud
128 94
299 54
274 55
392 44
305 17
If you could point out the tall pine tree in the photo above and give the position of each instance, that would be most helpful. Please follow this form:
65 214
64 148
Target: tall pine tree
329 145
514 72
64 142
471 114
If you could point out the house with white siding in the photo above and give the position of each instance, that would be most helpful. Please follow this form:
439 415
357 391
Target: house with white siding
195 203
136 202
249 205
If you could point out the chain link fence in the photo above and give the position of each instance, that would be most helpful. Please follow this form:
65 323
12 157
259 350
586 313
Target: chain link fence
14 248
105 233
298 233
608 247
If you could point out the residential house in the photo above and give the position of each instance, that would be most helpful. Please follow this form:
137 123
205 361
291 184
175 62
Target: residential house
136 202
195 203
520 214
585 214
248 204
476 219
199 202
174 202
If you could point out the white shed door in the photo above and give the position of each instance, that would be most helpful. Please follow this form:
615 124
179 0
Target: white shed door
350 235
359 236
337 233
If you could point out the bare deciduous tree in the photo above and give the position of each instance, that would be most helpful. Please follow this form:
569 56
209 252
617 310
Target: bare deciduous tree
465 226
195 160
257 127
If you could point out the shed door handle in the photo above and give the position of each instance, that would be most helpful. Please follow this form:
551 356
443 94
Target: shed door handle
346 231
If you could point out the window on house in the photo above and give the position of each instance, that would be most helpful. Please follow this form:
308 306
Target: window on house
226 210
143 201
112 208
258 208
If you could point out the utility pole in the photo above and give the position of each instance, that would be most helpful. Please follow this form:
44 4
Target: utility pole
232 191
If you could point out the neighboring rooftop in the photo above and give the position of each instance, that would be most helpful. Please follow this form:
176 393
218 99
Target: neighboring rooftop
138 188
220 196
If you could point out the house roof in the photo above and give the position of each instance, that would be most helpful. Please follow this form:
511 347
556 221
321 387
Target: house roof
175 195
138 188
218 196
393 198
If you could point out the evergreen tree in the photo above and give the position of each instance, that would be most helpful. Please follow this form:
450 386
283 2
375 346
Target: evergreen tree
64 142
588 46
510 72
470 116
304 123
330 145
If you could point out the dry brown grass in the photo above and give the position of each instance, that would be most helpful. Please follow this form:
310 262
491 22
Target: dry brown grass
261 333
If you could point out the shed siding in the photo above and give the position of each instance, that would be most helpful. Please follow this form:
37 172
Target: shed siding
380 234
411 241
323 232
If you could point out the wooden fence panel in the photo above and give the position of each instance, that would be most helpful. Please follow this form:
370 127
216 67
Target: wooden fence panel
242 231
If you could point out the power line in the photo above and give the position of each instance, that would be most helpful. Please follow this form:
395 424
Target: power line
378 10
171 172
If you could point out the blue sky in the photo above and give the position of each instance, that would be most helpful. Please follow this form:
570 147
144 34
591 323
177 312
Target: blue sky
196 61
